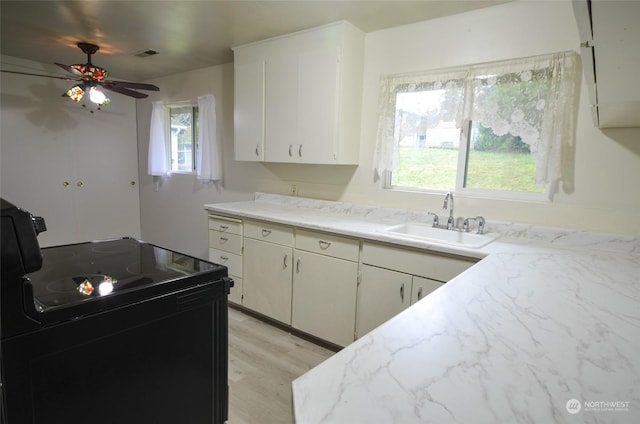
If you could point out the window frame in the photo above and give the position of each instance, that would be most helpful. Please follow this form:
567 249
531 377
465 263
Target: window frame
462 161
194 136
558 134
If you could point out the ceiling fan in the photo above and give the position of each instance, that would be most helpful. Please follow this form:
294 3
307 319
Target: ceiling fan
91 78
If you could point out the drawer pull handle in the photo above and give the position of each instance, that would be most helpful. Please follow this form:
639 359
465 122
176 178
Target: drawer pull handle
324 244
298 266
285 261
257 150
224 258
265 232
420 293
224 239
300 151
290 147
224 227
402 292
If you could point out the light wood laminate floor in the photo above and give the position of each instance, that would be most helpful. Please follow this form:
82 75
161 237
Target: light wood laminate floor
263 361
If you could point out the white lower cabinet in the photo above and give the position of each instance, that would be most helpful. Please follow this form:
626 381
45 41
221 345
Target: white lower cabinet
267 275
394 278
267 279
421 287
382 295
329 286
324 295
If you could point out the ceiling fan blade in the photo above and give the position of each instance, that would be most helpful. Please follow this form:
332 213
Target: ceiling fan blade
40 75
69 69
126 84
125 91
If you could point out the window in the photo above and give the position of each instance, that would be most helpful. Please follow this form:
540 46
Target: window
497 128
183 132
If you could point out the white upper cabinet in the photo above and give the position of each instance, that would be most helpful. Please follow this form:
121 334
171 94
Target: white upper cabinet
304 107
249 111
609 35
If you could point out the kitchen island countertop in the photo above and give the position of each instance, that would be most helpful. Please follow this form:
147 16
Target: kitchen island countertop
544 329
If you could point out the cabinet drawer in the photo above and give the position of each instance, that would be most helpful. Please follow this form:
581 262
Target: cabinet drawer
328 244
225 241
232 261
266 231
428 265
225 225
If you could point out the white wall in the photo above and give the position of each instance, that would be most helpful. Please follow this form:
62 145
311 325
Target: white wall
171 210
605 195
47 140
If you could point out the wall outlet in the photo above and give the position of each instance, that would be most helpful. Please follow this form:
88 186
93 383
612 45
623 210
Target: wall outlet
294 190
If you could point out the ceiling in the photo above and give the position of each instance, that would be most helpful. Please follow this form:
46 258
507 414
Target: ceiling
186 34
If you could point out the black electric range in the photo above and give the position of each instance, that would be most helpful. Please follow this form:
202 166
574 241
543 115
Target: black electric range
109 331
84 278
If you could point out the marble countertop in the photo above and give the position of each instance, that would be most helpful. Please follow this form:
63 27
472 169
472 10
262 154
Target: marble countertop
544 329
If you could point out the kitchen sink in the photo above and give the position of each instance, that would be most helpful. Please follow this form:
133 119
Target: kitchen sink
427 232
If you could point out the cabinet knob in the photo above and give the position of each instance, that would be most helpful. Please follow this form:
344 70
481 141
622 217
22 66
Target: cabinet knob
420 293
402 292
257 150
65 184
284 263
79 183
133 183
298 266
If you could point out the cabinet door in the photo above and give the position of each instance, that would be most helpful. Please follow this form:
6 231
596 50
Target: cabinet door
317 105
421 287
282 108
382 295
324 297
267 279
249 111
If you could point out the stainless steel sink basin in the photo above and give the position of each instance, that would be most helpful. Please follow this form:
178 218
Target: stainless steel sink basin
427 232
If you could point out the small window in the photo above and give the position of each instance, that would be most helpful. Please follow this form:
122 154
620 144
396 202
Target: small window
183 131
430 146
497 128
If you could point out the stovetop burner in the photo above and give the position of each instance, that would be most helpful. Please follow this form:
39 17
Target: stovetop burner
79 272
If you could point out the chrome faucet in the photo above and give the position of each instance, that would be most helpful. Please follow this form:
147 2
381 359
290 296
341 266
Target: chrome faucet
480 220
436 220
447 198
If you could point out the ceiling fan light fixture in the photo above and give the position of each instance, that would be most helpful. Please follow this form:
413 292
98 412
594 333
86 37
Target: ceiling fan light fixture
98 97
90 72
75 93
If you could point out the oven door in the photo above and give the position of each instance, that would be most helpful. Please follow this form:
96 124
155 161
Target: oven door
162 360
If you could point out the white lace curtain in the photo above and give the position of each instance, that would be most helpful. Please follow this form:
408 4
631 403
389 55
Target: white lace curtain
158 164
537 105
208 159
